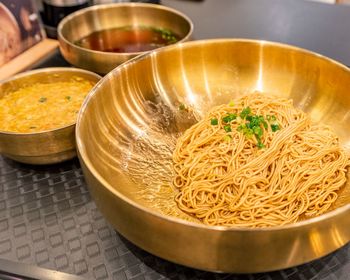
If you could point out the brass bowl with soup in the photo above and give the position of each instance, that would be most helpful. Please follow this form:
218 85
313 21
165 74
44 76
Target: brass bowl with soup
101 37
38 111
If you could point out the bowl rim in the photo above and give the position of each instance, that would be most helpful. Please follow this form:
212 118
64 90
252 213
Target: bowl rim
64 21
48 70
90 166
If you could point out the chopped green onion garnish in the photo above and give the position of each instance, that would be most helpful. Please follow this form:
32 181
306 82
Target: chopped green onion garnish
265 124
271 118
231 104
245 112
258 131
247 131
227 128
260 145
214 121
252 125
227 138
275 127
182 107
229 118
42 99
255 124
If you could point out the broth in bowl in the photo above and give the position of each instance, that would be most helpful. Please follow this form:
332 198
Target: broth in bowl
128 39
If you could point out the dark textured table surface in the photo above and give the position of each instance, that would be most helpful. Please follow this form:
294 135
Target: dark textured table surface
51 229
48 220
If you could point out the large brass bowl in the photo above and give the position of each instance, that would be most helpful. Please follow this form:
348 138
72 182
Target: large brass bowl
44 147
100 17
127 126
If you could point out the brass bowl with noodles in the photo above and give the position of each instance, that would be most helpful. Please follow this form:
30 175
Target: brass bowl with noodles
50 145
103 17
127 124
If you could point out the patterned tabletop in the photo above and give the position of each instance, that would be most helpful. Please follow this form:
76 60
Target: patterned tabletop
48 219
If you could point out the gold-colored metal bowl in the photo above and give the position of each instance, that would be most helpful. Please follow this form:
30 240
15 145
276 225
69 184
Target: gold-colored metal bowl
44 147
100 17
128 125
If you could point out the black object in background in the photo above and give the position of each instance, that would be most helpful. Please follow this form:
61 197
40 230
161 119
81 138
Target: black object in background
55 10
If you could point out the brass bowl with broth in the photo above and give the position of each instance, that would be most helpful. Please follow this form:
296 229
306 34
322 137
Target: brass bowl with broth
101 37
29 131
128 125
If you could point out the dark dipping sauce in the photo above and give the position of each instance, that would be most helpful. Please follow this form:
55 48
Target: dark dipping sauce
128 39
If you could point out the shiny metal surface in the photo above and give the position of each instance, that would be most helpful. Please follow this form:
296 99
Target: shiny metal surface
129 122
45 147
99 17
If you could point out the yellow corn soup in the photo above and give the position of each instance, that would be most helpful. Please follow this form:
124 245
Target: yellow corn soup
43 106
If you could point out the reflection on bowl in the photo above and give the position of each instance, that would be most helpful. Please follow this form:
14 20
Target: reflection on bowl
101 37
129 123
38 112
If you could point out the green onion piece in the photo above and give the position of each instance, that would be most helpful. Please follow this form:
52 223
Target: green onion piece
275 127
182 107
68 97
258 131
231 104
260 145
265 124
229 118
227 128
245 112
227 138
271 118
214 121
247 131
42 99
